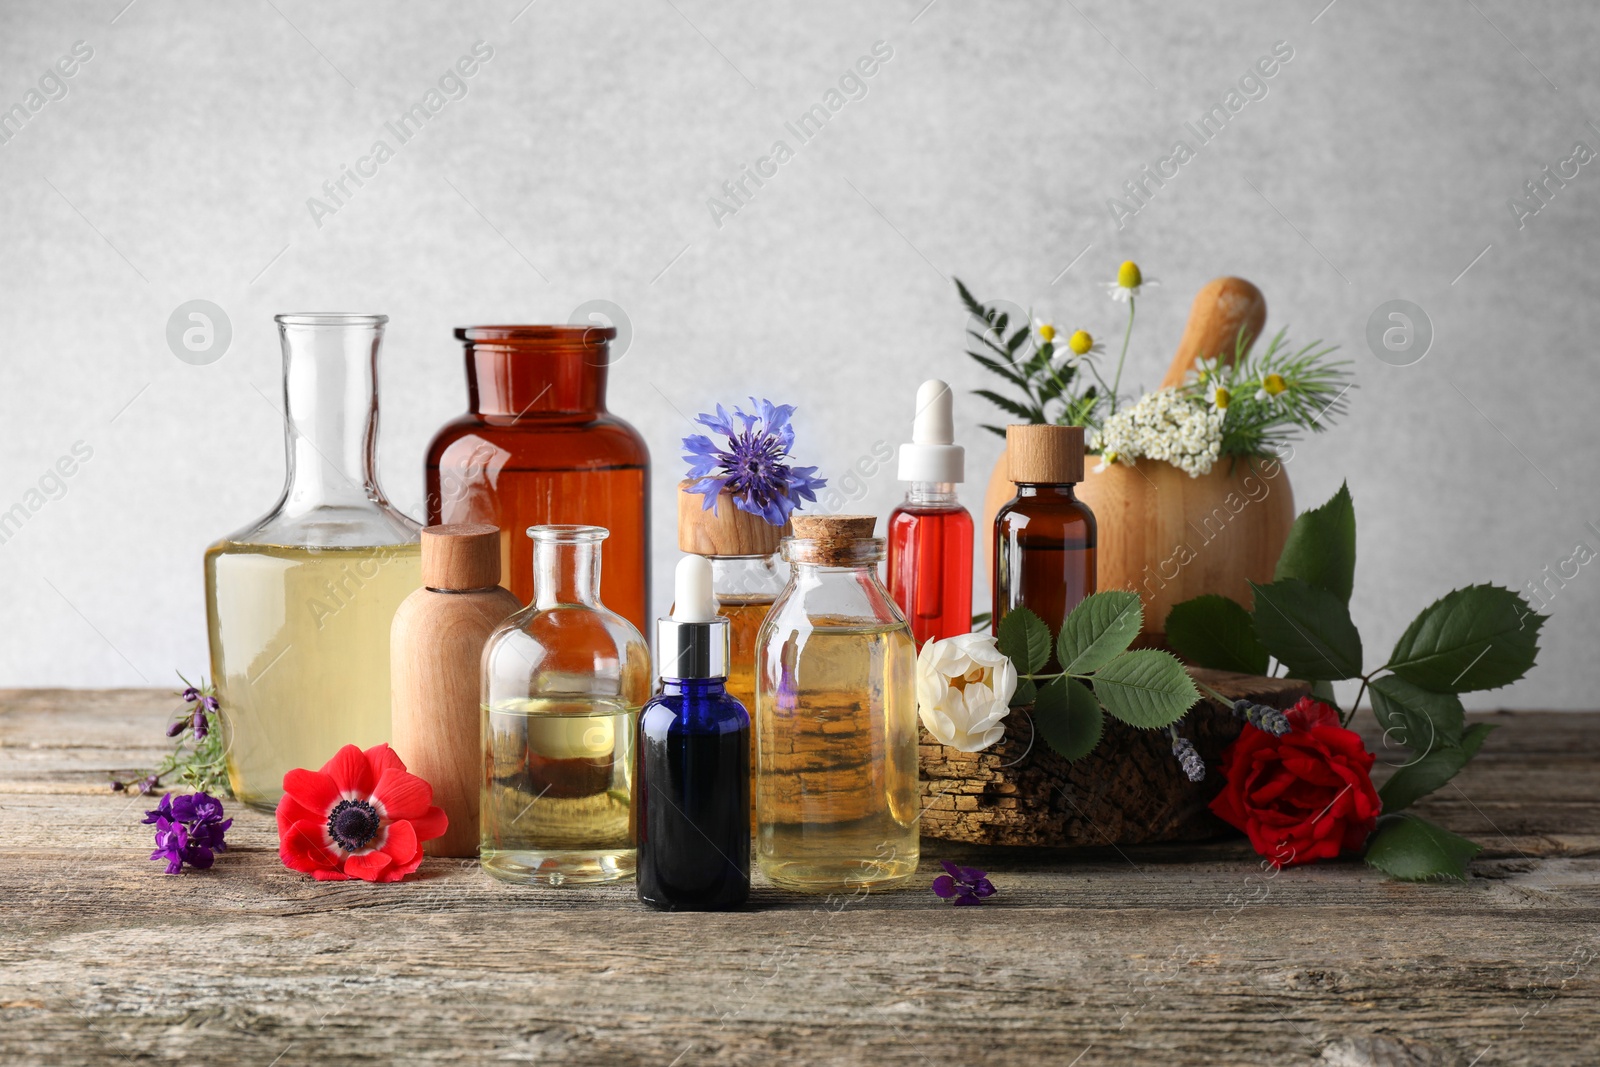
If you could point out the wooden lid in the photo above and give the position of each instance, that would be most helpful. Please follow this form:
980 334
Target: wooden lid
462 556
729 531
1045 455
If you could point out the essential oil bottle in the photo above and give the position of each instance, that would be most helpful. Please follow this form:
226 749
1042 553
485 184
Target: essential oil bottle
836 718
930 535
1044 537
746 578
693 783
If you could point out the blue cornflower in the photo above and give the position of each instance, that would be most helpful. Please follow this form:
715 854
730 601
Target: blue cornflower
967 885
754 466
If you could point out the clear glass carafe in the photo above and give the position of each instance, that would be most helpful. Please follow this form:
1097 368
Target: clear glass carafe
299 603
836 719
563 682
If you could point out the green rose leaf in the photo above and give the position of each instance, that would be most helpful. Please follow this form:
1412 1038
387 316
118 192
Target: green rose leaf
1069 717
1145 688
1416 850
1025 640
1321 549
1433 769
1026 693
1308 629
1213 631
1415 717
1098 630
1480 637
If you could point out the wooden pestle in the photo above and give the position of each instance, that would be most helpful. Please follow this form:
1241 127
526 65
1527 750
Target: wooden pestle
1220 308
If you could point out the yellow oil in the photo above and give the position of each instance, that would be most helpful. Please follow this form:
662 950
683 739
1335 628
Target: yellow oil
557 804
745 616
300 653
836 724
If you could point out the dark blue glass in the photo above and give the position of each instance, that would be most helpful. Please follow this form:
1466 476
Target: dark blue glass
694 798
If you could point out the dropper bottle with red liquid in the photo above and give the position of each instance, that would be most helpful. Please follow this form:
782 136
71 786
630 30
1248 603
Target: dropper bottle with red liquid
930 535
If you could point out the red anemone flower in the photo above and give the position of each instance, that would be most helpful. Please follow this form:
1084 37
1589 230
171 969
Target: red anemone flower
362 816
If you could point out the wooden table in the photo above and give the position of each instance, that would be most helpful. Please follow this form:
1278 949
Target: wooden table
1167 955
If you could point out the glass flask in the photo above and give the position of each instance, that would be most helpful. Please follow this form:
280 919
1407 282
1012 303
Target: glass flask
563 682
299 603
836 718
537 446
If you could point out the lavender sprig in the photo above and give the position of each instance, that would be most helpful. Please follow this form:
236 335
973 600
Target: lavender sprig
1262 717
1194 768
198 759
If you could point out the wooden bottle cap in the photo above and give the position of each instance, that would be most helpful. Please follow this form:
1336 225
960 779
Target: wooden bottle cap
461 556
729 531
1044 455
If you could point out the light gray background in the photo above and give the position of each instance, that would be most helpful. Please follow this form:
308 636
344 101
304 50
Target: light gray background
580 164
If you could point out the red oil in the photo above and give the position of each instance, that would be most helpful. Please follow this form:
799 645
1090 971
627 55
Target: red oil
930 564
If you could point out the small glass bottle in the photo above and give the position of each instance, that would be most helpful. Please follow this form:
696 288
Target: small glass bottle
694 762
1044 537
930 535
563 682
299 603
836 718
745 577
537 446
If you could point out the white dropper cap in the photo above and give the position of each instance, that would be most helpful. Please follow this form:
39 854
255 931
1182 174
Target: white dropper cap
693 642
692 598
933 455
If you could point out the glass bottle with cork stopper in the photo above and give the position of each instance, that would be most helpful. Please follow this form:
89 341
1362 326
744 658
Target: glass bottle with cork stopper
1044 537
436 663
930 535
836 718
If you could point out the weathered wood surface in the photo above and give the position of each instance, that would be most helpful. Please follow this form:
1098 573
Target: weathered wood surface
1177 954
1129 790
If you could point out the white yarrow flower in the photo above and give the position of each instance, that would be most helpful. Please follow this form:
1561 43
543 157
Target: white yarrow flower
1166 425
964 690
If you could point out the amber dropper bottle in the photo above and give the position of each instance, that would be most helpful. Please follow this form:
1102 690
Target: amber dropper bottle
1044 537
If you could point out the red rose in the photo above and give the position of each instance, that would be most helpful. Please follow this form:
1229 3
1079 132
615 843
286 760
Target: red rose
362 816
1304 796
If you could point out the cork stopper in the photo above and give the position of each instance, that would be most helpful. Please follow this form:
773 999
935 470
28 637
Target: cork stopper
833 539
728 531
1044 455
460 557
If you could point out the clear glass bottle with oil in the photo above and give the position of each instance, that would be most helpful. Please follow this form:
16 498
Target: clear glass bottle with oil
836 718
563 682
299 603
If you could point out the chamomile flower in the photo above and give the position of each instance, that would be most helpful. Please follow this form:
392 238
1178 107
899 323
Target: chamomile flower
1044 333
1130 281
1081 344
1219 395
1272 387
1107 459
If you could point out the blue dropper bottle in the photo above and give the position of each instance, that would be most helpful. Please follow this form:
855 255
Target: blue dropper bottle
694 762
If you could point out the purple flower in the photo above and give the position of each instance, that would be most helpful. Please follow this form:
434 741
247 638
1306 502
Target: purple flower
1194 768
967 884
190 695
754 466
189 829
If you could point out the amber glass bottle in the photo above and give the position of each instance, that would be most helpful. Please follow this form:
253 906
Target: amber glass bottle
1044 536
538 447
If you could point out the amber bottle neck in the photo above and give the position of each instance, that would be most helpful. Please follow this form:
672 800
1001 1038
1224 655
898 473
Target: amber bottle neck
534 371
1025 490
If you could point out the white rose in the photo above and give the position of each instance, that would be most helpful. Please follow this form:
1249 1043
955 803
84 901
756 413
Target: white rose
964 689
